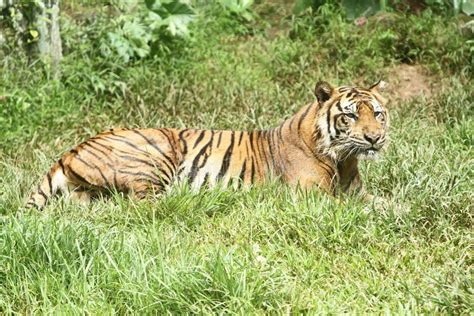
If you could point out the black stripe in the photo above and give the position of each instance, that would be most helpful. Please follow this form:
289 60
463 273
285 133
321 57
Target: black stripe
206 180
195 168
328 119
267 139
180 171
42 193
331 172
260 138
48 175
280 133
108 138
93 166
251 136
219 139
199 139
242 171
291 122
254 153
252 172
204 161
77 176
181 138
227 157
270 147
95 155
84 162
106 154
338 132
338 105
303 116
208 145
240 138
131 158
277 149
60 162
166 135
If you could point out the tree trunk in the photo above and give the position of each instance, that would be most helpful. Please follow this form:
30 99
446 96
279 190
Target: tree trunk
49 43
43 17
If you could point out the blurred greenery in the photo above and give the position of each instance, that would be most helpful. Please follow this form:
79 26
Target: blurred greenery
260 251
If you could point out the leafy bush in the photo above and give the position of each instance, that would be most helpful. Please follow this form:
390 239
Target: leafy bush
140 31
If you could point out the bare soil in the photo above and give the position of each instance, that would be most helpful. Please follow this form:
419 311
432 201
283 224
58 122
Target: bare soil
410 81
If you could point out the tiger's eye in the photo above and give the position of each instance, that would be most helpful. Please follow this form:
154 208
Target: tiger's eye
351 115
378 114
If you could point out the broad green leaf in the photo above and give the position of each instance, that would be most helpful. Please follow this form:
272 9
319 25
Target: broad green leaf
178 7
468 7
178 24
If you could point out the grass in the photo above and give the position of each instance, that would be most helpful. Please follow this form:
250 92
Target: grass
267 249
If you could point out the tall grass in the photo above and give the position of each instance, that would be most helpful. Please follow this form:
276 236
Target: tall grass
264 250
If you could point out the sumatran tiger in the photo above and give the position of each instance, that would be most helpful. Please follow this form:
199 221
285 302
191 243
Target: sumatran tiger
319 147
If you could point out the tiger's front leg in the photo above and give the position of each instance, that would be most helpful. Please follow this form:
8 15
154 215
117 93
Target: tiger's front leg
349 179
351 183
310 174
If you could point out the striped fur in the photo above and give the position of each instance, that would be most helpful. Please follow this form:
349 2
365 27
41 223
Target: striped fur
318 147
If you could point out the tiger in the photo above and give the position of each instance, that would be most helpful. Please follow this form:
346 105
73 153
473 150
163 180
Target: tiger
318 148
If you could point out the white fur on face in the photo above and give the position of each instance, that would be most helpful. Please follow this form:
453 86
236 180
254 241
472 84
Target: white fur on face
349 107
376 106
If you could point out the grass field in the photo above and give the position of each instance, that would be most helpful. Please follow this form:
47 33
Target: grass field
268 249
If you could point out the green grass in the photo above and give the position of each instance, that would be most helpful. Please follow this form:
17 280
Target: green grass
267 249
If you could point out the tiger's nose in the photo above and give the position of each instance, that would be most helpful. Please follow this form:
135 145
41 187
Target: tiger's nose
372 137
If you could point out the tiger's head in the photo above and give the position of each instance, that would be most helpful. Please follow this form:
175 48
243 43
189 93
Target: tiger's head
352 121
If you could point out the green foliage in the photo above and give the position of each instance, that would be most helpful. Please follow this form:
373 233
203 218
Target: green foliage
302 5
360 8
385 37
140 32
240 8
353 8
454 6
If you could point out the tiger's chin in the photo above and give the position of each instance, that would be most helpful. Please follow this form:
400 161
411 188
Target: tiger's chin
369 154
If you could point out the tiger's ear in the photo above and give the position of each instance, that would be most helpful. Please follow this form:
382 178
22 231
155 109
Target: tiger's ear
323 91
379 86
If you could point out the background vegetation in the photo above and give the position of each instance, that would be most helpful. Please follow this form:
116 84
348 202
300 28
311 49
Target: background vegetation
240 65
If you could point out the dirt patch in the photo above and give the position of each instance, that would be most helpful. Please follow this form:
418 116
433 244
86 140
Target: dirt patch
409 81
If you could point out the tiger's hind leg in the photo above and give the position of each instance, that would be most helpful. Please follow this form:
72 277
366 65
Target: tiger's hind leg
82 195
